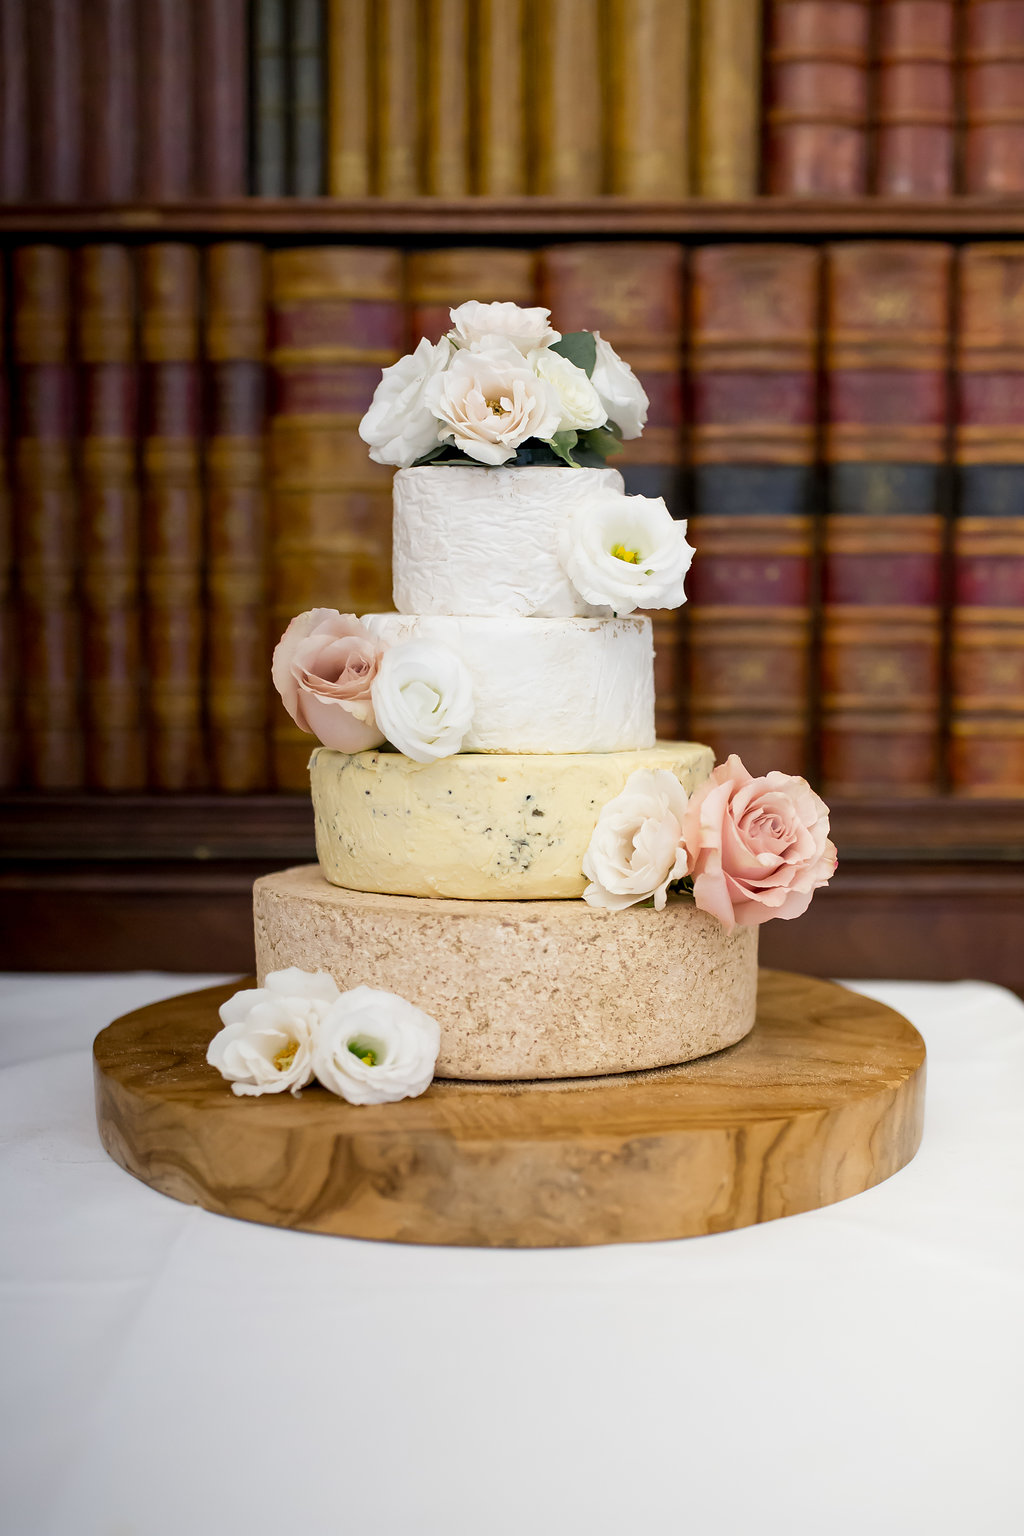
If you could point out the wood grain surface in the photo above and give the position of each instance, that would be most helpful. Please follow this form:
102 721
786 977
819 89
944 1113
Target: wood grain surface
824 1099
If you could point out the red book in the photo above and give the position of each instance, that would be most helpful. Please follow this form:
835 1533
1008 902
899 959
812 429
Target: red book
914 138
46 519
817 90
10 752
14 118
754 396
994 97
987 663
887 411
110 66
222 97
172 515
166 104
55 99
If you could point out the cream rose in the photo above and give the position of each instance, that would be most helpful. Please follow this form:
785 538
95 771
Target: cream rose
526 329
266 1045
399 426
423 700
374 1048
489 401
635 851
759 848
622 395
578 400
625 551
323 668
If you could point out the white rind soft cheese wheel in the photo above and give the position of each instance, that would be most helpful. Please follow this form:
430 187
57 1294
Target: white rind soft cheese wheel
485 541
546 685
474 827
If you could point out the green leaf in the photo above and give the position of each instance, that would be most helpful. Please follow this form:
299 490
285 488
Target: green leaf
563 443
580 348
599 443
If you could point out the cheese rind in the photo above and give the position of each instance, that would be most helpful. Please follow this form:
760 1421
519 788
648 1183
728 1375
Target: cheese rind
546 685
477 828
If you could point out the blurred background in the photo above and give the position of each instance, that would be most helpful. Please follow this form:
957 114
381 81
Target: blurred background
801 222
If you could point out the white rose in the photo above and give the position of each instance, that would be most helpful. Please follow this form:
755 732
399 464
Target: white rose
622 395
525 328
374 1048
626 552
579 401
636 849
490 401
423 699
399 426
266 1045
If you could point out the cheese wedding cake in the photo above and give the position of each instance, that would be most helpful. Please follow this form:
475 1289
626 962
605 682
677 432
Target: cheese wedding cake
503 847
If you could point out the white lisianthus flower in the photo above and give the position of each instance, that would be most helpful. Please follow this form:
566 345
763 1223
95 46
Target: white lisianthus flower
636 849
622 395
423 700
490 400
626 552
266 1045
579 401
526 329
374 1048
399 426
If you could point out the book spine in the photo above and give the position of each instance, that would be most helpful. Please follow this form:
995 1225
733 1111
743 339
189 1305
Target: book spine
888 306
336 318
269 129
10 752
567 150
648 106
307 140
172 515
109 518
14 116
447 98
987 661
438 281
222 107
914 139
754 392
166 106
728 107
349 99
109 66
46 519
498 85
994 97
397 51
818 56
236 518
55 99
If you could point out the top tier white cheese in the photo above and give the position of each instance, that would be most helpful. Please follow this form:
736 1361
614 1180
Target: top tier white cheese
476 541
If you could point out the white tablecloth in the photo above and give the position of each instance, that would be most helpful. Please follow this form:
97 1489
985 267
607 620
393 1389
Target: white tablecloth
167 1372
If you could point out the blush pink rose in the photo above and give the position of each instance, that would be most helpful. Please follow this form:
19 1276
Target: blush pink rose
759 848
324 667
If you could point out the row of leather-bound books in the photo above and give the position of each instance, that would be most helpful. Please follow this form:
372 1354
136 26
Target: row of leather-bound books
184 474
121 100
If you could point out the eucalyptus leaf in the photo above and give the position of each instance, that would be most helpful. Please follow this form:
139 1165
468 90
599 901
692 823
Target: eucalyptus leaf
580 348
562 444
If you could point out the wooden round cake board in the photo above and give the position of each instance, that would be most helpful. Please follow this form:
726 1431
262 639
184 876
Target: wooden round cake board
823 1099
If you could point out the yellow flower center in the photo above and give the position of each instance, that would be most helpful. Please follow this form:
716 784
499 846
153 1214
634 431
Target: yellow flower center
366 1054
286 1055
631 556
496 408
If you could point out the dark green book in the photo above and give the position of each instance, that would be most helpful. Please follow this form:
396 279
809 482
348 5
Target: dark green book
269 95
307 175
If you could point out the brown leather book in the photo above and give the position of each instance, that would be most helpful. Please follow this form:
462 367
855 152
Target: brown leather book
754 385
238 640
336 319
221 45
14 116
56 128
166 82
566 109
448 171
10 746
46 519
728 105
817 84
105 312
887 362
438 281
648 98
987 663
397 51
110 105
498 82
915 98
349 98
172 515
994 97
